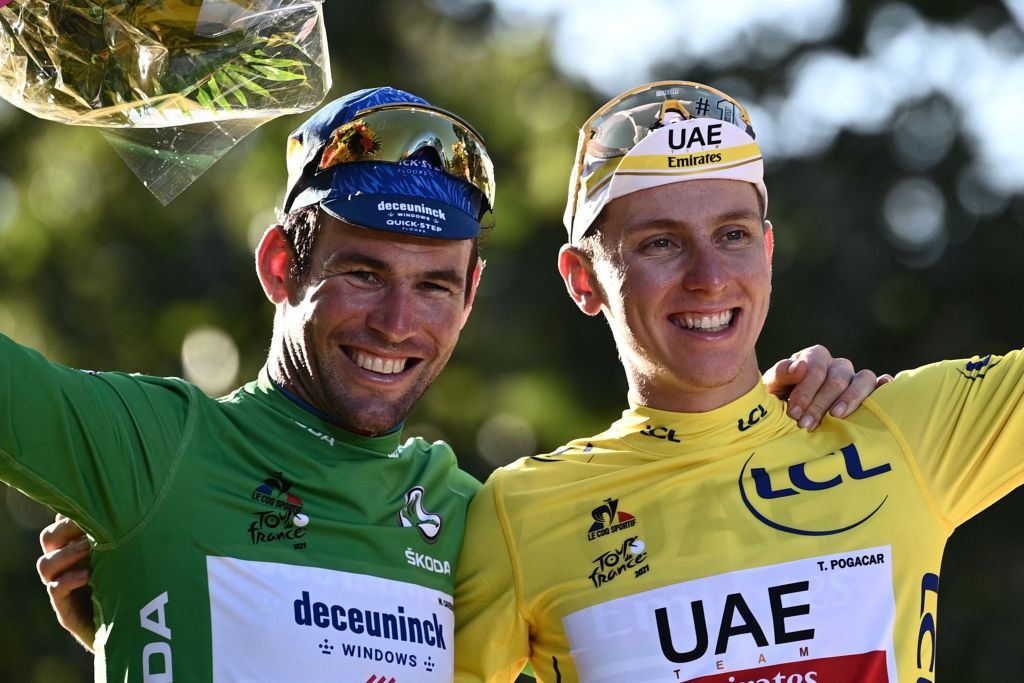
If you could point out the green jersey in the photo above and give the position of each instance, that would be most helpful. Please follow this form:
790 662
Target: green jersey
240 539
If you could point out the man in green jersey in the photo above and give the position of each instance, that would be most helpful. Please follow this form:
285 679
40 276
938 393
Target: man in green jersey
286 531
304 540
703 537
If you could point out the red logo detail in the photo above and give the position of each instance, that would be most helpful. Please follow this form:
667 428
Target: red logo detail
625 517
379 679
869 667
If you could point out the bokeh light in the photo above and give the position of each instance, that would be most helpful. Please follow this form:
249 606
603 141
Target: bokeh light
977 197
209 359
915 213
505 437
8 202
905 59
60 193
613 46
923 134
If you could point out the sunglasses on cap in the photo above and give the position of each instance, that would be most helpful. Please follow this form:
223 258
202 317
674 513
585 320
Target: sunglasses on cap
618 126
411 132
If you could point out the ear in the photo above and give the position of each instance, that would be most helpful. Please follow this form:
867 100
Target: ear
474 284
273 264
578 274
769 241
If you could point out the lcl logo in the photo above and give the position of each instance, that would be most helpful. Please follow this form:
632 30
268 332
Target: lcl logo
752 419
851 469
660 433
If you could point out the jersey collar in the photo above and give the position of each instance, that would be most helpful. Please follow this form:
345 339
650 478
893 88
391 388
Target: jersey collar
667 433
316 421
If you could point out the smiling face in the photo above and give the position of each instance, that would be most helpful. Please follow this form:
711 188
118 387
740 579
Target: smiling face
372 324
682 272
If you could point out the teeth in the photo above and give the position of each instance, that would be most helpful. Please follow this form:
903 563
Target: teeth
385 366
712 323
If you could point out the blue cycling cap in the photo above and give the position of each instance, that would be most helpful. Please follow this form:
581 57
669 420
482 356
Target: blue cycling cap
386 159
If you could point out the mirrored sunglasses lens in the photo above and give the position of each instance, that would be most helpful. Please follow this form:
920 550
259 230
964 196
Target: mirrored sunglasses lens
618 132
623 124
409 134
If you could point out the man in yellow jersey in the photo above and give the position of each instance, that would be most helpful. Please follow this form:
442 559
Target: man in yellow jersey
703 537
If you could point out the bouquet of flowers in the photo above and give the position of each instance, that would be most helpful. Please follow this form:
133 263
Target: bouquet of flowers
164 64
145 63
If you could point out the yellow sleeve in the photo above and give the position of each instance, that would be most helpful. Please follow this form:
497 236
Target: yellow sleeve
492 639
962 423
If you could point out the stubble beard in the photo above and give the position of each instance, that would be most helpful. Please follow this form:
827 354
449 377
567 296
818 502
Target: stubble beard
371 415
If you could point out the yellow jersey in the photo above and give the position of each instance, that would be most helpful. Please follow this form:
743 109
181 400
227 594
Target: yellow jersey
731 546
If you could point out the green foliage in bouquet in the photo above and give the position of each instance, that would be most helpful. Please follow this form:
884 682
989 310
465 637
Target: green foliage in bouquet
160 62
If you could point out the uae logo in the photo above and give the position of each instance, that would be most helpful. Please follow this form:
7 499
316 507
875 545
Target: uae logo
415 515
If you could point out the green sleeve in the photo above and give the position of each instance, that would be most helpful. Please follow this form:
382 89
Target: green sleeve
96 447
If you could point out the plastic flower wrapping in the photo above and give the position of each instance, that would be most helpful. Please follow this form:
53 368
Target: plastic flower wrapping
174 84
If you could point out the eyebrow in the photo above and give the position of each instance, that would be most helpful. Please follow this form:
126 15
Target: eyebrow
724 217
448 275
740 215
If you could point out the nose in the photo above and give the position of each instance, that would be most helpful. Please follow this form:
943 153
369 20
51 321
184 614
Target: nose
706 270
394 317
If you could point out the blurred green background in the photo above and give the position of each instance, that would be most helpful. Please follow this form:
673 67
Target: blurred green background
895 173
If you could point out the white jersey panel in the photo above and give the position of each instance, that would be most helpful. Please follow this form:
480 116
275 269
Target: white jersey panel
273 622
